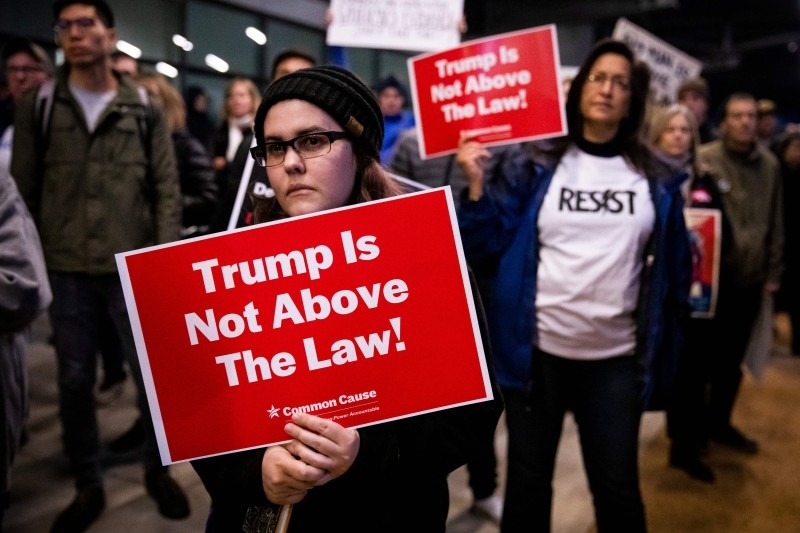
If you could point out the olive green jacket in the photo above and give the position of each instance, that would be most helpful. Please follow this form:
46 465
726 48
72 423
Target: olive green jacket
96 194
752 198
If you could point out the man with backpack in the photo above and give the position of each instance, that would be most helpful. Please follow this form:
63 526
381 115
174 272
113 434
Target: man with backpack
93 161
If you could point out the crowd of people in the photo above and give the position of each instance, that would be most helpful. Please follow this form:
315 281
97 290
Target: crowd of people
588 303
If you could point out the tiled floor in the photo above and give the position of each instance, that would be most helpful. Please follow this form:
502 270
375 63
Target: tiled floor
41 484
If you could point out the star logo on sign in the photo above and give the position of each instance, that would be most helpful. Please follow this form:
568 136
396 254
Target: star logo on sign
273 412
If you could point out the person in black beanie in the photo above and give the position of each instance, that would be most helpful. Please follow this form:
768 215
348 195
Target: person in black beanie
319 132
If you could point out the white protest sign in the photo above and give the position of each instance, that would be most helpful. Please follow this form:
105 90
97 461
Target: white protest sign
669 67
414 25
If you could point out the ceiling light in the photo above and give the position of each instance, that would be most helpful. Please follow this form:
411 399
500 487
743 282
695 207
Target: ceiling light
182 42
166 69
217 63
129 49
256 35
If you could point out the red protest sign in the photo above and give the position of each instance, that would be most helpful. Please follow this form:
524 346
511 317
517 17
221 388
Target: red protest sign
499 90
704 227
361 315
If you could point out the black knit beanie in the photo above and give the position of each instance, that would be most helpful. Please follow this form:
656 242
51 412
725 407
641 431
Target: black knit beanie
336 91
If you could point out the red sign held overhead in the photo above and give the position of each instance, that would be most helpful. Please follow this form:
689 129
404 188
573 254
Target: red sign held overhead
361 315
498 90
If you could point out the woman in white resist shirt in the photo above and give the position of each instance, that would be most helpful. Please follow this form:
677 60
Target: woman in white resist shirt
592 263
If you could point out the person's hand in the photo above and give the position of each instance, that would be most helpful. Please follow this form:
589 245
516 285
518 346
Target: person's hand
219 162
284 478
323 444
472 157
321 450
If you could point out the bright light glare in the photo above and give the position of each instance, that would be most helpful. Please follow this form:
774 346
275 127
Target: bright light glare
182 42
217 63
256 35
129 49
166 69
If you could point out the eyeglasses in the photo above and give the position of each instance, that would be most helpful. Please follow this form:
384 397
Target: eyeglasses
26 69
307 146
81 23
600 78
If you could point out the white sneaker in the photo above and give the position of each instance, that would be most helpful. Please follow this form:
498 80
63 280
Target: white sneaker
491 507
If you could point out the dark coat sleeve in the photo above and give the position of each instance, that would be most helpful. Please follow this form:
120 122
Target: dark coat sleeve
199 190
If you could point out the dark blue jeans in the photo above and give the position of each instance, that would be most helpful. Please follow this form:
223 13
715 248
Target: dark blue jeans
79 300
604 397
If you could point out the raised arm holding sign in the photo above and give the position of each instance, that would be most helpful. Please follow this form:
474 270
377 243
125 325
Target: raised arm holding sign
316 335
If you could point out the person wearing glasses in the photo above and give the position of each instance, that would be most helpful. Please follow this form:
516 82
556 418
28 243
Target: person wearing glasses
318 134
593 270
26 66
96 185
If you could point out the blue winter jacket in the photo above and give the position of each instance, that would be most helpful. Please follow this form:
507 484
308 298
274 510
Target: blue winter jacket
499 236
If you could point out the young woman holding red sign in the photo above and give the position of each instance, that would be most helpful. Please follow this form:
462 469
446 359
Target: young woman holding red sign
593 269
319 132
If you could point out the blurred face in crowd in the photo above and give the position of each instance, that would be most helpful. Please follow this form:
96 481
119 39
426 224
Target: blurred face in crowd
676 139
200 103
289 65
313 184
605 97
791 154
23 73
240 101
739 125
85 39
697 104
766 126
391 101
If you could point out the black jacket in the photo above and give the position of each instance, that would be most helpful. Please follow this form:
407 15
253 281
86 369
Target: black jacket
199 191
398 482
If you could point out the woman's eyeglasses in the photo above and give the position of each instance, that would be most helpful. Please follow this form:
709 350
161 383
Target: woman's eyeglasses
307 146
600 79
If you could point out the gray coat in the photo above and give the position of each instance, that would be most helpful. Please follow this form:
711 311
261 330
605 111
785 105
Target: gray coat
24 293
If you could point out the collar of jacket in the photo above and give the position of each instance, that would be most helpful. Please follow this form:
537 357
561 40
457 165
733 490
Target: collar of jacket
127 92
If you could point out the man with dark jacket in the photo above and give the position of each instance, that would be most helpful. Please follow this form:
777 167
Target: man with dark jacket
749 178
96 167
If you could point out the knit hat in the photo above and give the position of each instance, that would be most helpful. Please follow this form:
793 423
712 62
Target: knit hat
391 81
336 91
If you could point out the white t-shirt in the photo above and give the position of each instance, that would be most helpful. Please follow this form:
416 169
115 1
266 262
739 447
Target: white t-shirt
594 223
92 103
